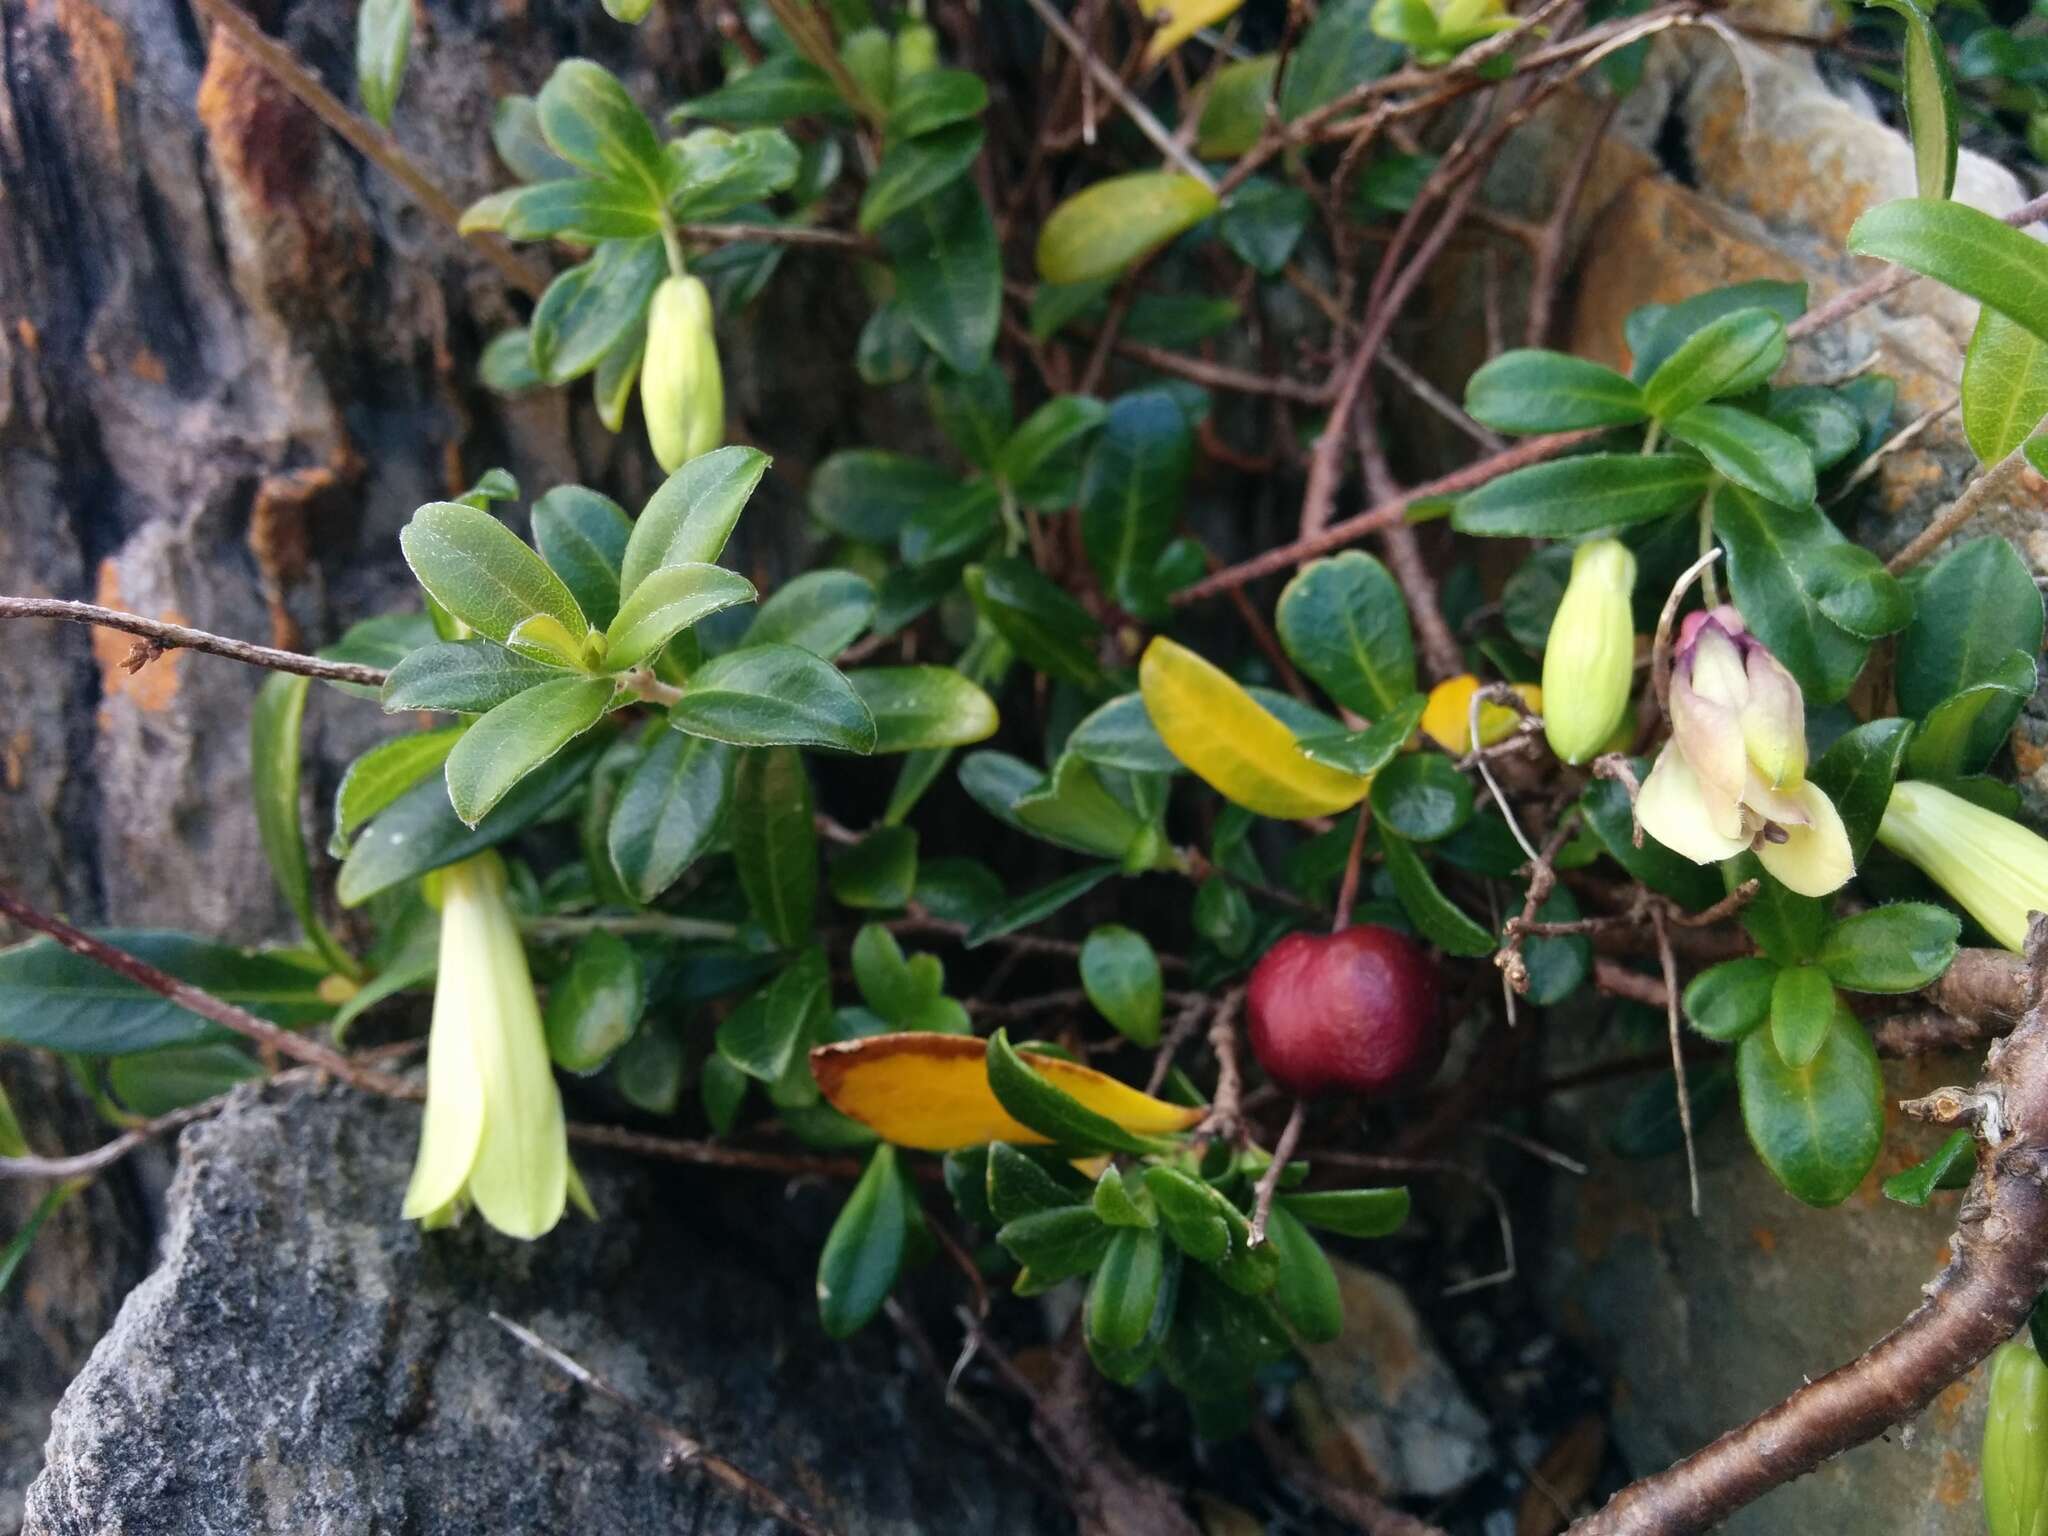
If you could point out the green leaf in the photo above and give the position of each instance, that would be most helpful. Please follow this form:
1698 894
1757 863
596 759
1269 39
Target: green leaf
2005 385
582 536
1263 222
937 98
1350 1212
879 873
1104 228
712 172
1970 251
579 210
822 612
1192 1212
949 274
869 495
1858 772
1119 1204
1307 1291
762 1036
775 844
1787 927
1036 906
590 121
1750 451
668 811
1857 593
1344 622
1818 1128
51 997
1124 1295
477 569
1930 100
383 39
913 169
517 737
1963 732
1035 1102
1900 947
1951 1167
1434 914
152 1083
1337 52
274 722
668 602
1042 624
1369 750
516 135
1422 797
1018 1184
1728 356
595 1006
1726 1001
774 695
1528 391
1779 576
777 89
421 832
687 521
1973 609
587 308
1120 734
974 410
918 708
383 641
1121 976
1582 495
1607 810
1803 1005
1070 806
506 367
1822 419
1041 461
1131 493
864 1251
1056 1245
951 530
1234 111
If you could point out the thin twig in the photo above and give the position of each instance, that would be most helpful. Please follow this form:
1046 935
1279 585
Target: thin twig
1139 114
1977 495
1269 1181
177 637
682 1450
1670 968
1660 649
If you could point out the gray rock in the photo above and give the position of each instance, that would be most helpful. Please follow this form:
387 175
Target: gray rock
303 1361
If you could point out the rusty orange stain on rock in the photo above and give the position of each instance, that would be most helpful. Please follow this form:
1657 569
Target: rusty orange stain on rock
1765 1239
1957 1481
26 333
14 759
263 140
147 366
1949 1403
149 688
99 58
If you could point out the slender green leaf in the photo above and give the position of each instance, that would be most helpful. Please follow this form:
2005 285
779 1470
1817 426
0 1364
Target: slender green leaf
949 273
1818 1128
1121 976
774 695
665 604
1036 906
689 519
582 536
1930 100
1727 356
1969 250
2005 385
477 569
1582 495
383 39
1951 1166
1434 914
864 1250
1131 493
1858 772
1803 1005
1779 575
668 811
1527 391
468 677
913 169
518 736
1350 1212
1750 451
1034 1101
274 728
595 1006
774 844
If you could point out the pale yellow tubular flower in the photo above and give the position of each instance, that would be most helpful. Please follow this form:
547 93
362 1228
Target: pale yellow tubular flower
1589 658
682 390
1996 869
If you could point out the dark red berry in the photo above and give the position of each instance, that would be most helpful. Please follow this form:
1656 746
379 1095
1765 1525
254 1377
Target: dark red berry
1352 1012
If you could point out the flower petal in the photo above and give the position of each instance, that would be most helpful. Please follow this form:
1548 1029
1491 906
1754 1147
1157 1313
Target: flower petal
1774 721
1815 859
1710 736
1716 673
454 1123
1673 809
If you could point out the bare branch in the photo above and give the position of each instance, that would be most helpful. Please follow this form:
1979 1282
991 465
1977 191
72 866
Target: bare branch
177 637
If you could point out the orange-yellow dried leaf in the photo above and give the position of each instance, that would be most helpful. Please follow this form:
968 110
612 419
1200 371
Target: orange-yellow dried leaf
930 1091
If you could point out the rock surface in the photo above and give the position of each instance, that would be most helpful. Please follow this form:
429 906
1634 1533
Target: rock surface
302 1361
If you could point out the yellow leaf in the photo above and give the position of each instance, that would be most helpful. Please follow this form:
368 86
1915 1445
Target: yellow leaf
1102 229
1233 745
1180 20
1448 718
931 1092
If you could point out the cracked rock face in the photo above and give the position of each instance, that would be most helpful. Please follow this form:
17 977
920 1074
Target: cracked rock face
302 1361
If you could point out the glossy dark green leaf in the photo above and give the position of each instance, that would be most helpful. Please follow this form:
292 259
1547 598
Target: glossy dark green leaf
1857 773
274 727
949 273
1344 622
1036 906
1787 927
1950 1167
688 520
53 998
1974 608
1727 356
723 1089
823 612
889 349
1439 919
477 569
584 210
1822 419
1350 1212
1817 1128
1369 750
1857 593
914 169
153 1083
590 121
1263 221
1528 391
1726 1001
1671 326
774 843
879 873
1042 459
1803 1005
1899 947
864 1251
1223 915
594 1007
421 832
668 810
1778 574
1339 51
1607 810
777 89
1042 624
1056 1245
1120 734
774 695
383 39
1121 976
1750 451
1034 1101
867 494
587 308
1582 495
1558 964
2005 385
1131 492
1306 1292
934 99
1123 1204
1967 249
1422 797
1191 1212
377 778
517 737
974 410
762 1036
1126 1366
1123 1297
1018 1184
582 536
1930 100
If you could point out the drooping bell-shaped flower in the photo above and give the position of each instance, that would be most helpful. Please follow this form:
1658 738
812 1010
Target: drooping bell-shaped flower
494 1135
1996 869
682 388
1589 660
1733 776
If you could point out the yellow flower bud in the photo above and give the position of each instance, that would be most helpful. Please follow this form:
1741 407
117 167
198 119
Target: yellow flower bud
682 391
1589 659
1996 869
494 1135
